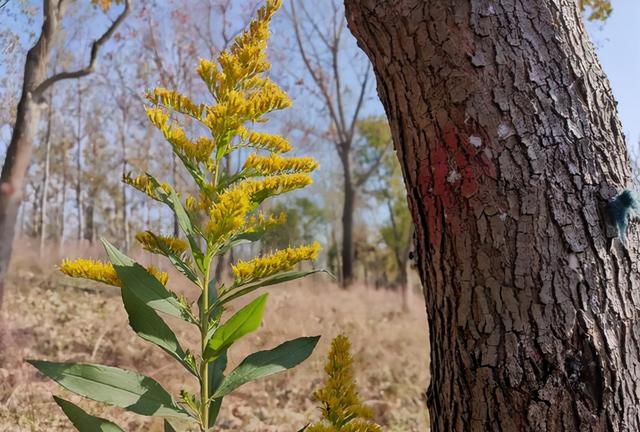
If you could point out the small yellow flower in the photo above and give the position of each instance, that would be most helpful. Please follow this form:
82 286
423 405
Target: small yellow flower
276 164
227 215
101 271
275 185
144 183
265 141
176 101
156 243
282 260
260 222
341 408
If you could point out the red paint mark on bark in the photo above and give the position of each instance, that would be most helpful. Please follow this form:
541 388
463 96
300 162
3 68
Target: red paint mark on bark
469 183
6 188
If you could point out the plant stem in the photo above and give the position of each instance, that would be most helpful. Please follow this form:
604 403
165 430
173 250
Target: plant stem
204 329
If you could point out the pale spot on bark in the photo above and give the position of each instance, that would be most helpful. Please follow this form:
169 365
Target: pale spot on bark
475 141
453 176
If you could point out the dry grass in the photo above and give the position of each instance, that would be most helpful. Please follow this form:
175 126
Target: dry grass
50 319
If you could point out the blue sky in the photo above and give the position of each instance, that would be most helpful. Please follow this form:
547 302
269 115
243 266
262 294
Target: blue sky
618 46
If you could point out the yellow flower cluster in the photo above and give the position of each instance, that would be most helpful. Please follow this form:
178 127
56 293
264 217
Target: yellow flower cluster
101 271
264 141
157 243
282 260
341 408
145 184
260 222
227 215
176 101
276 164
199 151
276 184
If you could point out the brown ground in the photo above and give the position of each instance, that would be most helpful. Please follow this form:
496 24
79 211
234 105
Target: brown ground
52 318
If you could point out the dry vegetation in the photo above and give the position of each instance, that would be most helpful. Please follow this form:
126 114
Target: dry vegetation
50 317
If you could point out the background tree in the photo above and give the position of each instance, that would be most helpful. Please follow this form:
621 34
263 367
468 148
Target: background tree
320 39
29 108
508 137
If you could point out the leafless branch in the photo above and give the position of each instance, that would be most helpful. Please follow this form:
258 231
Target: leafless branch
95 48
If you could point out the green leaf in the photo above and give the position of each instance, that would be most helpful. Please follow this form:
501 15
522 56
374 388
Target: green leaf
242 238
126 389
176 260
238 291
83 421
264 363
168 427
151 327
216 376
143 285
187 226
243 322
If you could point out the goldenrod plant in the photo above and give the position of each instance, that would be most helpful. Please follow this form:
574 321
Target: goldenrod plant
223 214
341 408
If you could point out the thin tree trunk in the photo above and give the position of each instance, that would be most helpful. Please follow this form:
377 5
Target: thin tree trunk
45 177
125 219
20 147
79 206
347 224
63 199
510 146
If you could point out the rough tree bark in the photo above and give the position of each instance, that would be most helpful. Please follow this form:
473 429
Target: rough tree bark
510 145
35 84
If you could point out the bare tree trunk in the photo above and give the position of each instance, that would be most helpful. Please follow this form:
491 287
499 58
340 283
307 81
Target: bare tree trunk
347 224
510 146
35 84
125 218
79 206
63 198
45 177
20 147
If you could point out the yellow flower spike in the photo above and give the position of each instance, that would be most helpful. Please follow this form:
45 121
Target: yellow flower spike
275 184
101 271
163 277
156 243
176 101
265 141
276 164
227 215
142 183
260 222
98 271
282 260
341 408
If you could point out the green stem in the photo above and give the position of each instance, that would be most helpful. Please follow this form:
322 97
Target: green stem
204 329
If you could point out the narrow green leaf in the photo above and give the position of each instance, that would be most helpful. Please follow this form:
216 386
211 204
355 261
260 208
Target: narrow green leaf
143 285
126 389
216 376
176 260
151 327
243 238
244 321
187 226
83 421
264 363
168 427
240 290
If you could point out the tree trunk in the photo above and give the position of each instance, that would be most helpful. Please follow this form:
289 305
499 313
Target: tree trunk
45 177
510 146
79 167
21 145
347 223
